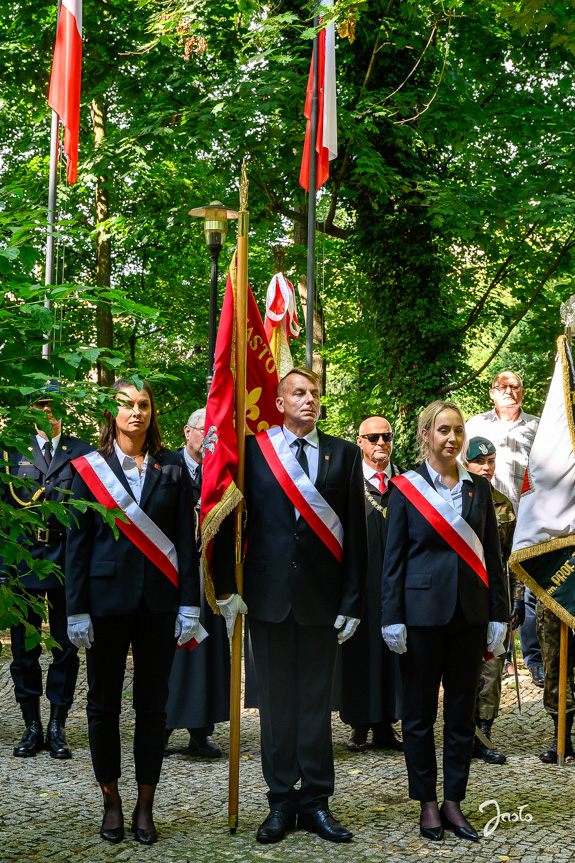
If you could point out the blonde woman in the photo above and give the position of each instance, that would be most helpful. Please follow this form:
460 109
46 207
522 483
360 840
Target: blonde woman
443 600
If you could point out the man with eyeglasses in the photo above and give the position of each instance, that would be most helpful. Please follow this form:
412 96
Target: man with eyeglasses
199 681
512 432
370 681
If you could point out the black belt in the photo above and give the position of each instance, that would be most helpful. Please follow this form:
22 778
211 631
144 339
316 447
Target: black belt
49 534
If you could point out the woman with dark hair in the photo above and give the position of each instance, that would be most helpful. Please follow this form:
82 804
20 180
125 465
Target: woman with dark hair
443 598
139 589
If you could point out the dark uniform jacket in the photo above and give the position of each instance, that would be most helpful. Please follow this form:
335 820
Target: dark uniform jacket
423 576
56 480
287 567
107 576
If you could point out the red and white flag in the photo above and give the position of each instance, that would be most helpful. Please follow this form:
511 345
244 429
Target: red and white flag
326 142
64 95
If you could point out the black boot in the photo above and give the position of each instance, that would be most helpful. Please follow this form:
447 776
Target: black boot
33 737
56 742
480 750
549 756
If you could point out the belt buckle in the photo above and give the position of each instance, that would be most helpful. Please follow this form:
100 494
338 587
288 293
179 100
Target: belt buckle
42 534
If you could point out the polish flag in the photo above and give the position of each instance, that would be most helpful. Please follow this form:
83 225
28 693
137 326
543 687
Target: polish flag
326 143
64 95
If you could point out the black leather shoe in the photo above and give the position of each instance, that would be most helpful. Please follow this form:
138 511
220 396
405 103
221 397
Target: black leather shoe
111 834
357 740
433 833
31 741
324 824
204 746
387 737
465 831
275 827
537 676
144 837
56 742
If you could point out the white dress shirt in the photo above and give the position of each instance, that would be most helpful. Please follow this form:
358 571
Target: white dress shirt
513 440
134 476
453 496
370 474
53 442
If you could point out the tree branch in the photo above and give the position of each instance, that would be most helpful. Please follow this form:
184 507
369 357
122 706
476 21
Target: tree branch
567 246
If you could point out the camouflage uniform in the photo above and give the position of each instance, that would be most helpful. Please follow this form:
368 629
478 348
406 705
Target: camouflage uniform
548 633
489 694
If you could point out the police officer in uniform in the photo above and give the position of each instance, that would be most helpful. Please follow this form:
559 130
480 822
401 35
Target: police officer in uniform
480 459
47 465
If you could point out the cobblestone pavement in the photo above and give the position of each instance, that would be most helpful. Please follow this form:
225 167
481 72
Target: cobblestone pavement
52 811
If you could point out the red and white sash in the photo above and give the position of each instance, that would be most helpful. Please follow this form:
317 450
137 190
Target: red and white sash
300 490
140 529
446 520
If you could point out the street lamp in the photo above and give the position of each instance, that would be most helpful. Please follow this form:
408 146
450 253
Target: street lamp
215 217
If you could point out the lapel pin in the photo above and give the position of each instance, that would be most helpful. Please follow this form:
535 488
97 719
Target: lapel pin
65 448
326 457
157 466
470 494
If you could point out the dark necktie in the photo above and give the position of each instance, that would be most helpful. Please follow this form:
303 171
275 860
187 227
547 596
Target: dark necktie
382 481
47 450
300 455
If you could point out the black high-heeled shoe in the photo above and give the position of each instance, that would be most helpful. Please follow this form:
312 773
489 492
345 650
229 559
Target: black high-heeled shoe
463 831
433 833
145 837
112 834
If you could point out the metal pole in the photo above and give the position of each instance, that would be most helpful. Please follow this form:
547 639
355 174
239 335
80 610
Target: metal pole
241 368
312 206
51 220
214 254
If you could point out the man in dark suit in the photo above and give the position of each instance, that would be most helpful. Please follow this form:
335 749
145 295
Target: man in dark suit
47 465
370 681
200 679
302 599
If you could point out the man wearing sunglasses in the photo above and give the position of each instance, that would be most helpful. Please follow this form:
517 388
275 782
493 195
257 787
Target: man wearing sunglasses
512 432
370 683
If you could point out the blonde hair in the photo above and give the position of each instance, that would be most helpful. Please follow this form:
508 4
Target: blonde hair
426 423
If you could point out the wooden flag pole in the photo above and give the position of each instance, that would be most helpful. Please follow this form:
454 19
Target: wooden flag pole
562 708
241 362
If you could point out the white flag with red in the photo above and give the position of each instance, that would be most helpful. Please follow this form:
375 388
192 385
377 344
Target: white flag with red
65 82
326 142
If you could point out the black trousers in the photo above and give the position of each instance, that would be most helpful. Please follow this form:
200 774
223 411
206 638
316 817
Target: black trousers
453 652
25 665
153 645
295 668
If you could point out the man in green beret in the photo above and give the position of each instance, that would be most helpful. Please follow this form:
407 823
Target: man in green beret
480 459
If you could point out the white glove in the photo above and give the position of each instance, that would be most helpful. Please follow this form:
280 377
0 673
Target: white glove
346 626
230 608
187 623
496 633
395 636
80 630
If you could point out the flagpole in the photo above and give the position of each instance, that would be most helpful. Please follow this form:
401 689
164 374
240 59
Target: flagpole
311 213
241 362
51 220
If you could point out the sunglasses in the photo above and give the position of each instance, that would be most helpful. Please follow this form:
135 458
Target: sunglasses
373 438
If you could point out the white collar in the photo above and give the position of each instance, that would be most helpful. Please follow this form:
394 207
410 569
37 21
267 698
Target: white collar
126 460
370 472
312 437
435 476
52 441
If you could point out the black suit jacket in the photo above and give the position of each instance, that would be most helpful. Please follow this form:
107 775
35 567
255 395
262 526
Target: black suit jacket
423 576
287 567
108 576
56 479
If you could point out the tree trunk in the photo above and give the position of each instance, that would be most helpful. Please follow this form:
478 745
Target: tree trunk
104 320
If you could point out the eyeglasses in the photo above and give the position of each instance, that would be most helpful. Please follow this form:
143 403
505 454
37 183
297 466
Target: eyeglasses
373 438
513 387
199 428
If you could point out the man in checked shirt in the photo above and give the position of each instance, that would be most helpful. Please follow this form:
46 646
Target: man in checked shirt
512 432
